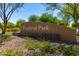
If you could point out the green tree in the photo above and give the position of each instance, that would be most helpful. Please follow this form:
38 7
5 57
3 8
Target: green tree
20 22
33 18
6 11
70 10
10 24
45 17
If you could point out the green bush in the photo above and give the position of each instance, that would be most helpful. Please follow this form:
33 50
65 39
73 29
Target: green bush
31 45
61 48
10 52
48 49
8 30
70 51
15 30
67 51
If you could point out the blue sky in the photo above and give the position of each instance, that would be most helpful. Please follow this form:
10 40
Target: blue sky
28 10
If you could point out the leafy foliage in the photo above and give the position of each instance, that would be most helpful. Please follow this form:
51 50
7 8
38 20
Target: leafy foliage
33 18
45 17
47 49
68 11
10 25
70 51
67 51
20 22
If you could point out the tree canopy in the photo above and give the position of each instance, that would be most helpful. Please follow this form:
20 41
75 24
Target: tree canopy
68 11
33 18
20 22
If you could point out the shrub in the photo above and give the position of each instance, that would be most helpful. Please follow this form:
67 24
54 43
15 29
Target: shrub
10 52
8 30
15 30
61 48
67 51
70 51
31 45
47 50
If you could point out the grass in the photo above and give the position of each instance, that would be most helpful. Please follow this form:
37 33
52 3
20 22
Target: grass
33 44
10 52
8 33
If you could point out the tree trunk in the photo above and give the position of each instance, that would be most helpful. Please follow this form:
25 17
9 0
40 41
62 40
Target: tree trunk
5 27
3 31
5 20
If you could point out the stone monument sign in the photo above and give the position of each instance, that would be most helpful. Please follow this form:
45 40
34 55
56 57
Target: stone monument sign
66 34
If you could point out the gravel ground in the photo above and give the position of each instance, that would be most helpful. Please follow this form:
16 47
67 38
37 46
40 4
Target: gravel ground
15 43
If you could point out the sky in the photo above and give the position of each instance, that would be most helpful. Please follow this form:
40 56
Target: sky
27 10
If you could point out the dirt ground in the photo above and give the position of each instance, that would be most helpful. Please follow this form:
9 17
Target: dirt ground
14 43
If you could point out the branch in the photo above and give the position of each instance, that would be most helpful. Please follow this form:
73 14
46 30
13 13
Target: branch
7 7
1 9
12 10
10 15
0 13
70 5
1 17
